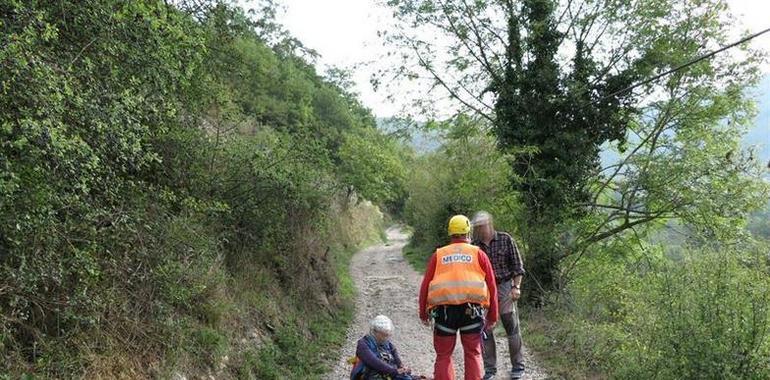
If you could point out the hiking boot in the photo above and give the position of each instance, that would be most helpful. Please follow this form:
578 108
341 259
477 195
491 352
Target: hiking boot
488 376
517 374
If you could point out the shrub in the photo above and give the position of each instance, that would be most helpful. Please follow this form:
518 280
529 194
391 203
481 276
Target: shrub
702 316
170 190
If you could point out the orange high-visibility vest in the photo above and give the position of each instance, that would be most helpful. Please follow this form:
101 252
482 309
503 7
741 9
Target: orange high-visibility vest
459 277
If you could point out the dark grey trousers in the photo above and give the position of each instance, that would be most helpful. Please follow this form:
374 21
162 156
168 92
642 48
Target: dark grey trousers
509 317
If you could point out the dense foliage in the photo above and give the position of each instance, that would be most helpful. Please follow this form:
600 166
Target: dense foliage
551 78
636 300
467 174
172 192
637 212
635 311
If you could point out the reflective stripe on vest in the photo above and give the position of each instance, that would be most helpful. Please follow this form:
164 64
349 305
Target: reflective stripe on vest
469 284
457 299
458 278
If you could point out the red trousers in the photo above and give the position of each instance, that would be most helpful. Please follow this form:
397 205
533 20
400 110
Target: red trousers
445 345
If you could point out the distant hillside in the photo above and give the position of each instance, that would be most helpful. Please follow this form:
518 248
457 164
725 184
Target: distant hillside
759 135
421 140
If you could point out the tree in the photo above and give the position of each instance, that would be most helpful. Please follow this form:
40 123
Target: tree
465 175
683 158
373 165
550 76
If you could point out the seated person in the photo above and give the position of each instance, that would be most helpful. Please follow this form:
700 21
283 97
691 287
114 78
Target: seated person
377 358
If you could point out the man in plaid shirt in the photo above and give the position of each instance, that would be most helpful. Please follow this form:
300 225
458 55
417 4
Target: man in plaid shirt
509 270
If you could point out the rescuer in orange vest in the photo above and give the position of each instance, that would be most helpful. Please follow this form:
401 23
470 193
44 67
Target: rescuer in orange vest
460 294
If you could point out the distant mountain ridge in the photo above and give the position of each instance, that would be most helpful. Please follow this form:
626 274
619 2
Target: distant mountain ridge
421 140
759 134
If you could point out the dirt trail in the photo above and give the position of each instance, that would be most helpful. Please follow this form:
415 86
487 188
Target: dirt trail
388 285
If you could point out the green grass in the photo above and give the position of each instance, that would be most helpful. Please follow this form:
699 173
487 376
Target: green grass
306 342
347 289
541 337
208 344
418 255
293 355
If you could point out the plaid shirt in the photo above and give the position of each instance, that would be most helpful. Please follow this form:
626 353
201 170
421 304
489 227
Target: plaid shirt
504 255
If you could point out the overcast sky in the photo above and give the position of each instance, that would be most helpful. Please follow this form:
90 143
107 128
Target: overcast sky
344 32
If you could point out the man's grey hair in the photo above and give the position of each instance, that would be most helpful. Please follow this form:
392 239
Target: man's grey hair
481 218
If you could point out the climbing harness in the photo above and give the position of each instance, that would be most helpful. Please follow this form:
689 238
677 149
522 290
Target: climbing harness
473 311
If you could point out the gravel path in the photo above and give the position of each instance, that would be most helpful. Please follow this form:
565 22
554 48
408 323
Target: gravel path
388 285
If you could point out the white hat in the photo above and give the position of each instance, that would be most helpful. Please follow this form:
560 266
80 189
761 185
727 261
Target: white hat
381 323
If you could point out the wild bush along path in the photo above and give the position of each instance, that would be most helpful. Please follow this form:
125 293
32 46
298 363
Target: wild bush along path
388 285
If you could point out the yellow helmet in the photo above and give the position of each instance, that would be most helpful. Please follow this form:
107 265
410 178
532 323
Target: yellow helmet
459 225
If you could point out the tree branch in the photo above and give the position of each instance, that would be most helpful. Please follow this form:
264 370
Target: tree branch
439 80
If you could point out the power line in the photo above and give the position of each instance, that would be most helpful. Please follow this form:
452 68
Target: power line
683 66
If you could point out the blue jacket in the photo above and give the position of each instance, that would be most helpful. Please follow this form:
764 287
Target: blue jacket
376 359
